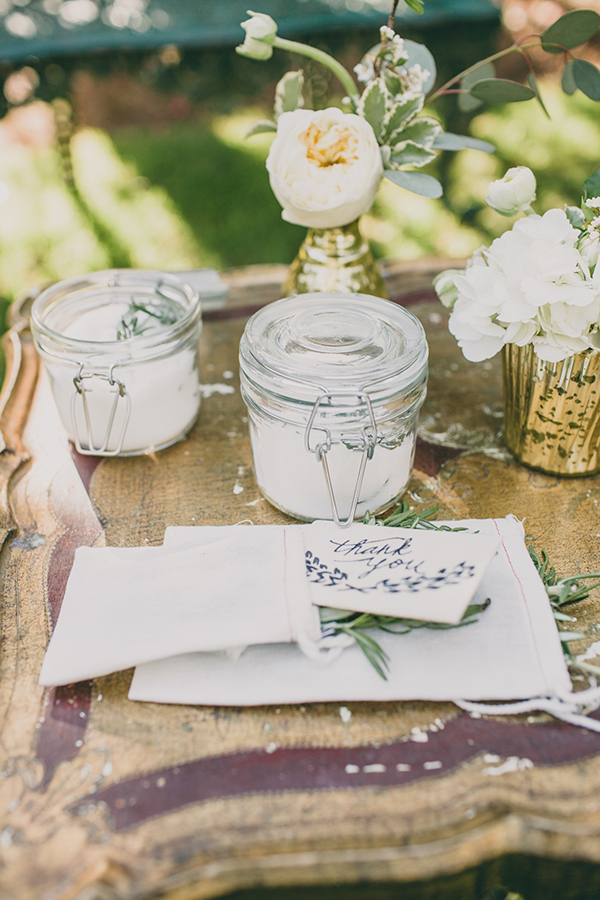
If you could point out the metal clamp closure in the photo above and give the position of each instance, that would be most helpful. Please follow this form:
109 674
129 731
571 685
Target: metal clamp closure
368 441
119 393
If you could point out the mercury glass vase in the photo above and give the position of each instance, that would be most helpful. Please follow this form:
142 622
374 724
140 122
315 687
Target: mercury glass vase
335 259
552 410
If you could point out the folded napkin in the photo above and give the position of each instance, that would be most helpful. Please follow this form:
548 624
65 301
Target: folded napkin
513 651
123 607
401 572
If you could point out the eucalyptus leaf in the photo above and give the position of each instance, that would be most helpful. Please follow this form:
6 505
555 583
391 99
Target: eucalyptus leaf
466 102
288 93
449 141
419 54
591 186
501 90
571 30
416 182
587 78
261 127
409 153
533 84
567 81
373 105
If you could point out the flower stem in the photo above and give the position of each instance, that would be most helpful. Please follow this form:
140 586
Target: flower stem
304 50
501 53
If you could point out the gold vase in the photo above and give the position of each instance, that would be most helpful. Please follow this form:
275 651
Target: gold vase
552 410
335 259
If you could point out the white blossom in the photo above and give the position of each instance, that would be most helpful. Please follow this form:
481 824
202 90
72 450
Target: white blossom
534 284
261 31
324 167
514 193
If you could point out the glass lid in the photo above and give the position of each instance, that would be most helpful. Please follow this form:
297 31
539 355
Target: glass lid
346 341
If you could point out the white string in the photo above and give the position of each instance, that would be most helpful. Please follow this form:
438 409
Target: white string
326 649
570 708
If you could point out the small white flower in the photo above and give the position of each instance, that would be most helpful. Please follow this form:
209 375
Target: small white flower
386 33
324 167
261 31
414 77
365 71
514 193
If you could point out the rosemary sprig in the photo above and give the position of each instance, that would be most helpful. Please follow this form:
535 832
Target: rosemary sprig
138 317
561 592
340 621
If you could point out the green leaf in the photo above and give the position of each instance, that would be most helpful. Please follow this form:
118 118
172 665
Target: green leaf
415 5
409 153
422 131
575 216
501 90
466 102
568 82
330 614
571 30
418 183
587 78
419 54
261 127
532 82
400 115
393 82
449 141
591 186
288 93
373 105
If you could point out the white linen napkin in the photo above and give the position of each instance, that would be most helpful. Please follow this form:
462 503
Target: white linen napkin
401 572
512 652
123 607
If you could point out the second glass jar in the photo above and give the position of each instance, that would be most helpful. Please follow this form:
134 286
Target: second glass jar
333 384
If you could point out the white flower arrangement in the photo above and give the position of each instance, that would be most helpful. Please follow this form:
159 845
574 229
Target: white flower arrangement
538 283
315 158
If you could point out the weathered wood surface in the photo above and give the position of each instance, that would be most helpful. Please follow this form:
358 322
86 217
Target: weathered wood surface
105 799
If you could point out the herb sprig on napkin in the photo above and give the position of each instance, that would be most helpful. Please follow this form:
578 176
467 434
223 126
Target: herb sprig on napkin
356 625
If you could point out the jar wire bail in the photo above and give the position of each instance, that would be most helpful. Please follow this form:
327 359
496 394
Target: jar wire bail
322 448
81 391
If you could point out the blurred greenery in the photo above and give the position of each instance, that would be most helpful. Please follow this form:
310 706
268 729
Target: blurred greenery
196 193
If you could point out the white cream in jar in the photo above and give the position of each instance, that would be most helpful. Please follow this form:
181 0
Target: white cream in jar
333 385
121 351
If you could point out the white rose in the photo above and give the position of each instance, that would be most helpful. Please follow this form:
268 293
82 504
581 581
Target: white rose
261 31
514 193
324 167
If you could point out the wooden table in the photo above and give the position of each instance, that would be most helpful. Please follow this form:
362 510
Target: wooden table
106 799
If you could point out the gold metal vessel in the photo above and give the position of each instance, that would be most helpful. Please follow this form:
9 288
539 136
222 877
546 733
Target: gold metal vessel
335 259
551 410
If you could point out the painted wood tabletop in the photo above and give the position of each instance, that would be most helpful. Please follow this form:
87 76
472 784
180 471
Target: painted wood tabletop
103 798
